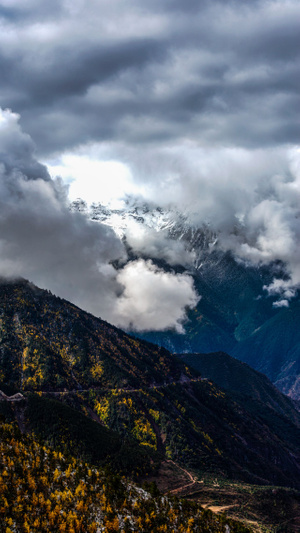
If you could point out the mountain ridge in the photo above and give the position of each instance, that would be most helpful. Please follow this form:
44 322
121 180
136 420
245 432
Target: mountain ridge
237 377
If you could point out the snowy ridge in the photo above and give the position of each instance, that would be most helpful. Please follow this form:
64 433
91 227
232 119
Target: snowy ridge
177 226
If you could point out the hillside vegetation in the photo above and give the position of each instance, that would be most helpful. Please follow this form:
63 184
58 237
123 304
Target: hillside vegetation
91 391
41 490
136 389
49 344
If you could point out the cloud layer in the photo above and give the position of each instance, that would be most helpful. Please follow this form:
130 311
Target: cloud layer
251 199
149 242
218 72
198 100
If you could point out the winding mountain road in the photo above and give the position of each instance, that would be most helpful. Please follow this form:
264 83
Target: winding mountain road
182 487
19 396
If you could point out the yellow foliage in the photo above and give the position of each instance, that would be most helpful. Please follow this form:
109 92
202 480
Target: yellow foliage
97 370
102 409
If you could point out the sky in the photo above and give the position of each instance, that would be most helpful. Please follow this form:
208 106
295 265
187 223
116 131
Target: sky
191 104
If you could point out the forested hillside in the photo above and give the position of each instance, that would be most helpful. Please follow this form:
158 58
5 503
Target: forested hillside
42 490
141 392
88 390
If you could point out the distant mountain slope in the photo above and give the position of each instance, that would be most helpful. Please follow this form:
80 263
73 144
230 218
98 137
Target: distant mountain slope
238 377
233 316
274 349
229 310
139 390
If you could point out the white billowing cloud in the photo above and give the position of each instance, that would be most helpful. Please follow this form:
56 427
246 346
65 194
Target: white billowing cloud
281 303
41 240
153 299
250 198
270 233
154 243
270 228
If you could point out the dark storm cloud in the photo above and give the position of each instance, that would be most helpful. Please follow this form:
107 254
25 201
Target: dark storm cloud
71 71
175 69
39 238
14 155
31 10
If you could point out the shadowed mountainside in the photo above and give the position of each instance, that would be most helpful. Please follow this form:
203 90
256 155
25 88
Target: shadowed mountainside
237 377
140 391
